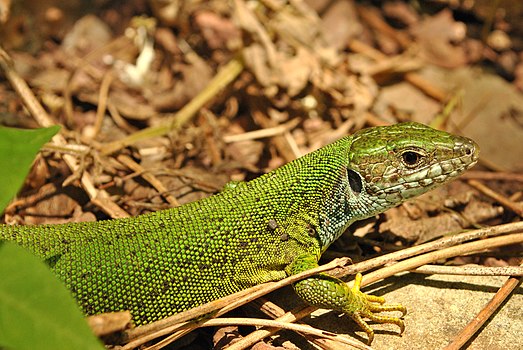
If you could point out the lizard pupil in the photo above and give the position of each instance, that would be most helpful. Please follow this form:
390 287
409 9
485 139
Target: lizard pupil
354 181
411 158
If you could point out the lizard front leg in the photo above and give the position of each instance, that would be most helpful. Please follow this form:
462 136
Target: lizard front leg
331 293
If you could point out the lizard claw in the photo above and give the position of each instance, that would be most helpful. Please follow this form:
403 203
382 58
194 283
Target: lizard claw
374 304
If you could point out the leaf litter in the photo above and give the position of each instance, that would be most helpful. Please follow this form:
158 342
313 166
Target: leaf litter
323 68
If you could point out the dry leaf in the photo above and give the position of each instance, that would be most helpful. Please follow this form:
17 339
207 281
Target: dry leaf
340 24
436 35
224 336
400 100
427 228
87 34
219 32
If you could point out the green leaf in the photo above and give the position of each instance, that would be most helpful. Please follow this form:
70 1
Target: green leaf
36 310
18 149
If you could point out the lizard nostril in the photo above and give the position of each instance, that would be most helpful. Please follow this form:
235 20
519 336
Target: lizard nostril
471 149
468 149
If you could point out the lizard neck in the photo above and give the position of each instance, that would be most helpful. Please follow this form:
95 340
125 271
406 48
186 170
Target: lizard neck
336 215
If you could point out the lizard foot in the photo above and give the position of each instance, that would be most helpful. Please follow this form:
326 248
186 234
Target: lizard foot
374 304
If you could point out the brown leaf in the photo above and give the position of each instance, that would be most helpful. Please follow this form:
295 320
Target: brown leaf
87 34
225 336
264 346
340 24
247 153
291 69
401 11
51 79
195 77
293 73
404 101
131 106
413 222
435 36
61 207
219 32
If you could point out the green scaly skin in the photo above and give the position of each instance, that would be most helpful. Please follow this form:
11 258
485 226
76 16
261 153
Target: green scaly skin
162 263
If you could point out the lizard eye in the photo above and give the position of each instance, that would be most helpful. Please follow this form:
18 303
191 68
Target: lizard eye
411 159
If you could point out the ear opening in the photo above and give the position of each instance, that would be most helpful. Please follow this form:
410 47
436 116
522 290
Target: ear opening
354 181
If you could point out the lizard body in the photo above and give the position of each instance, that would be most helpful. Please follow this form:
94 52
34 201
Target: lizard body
263 230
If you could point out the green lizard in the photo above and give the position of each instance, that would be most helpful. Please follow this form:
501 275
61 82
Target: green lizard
263 230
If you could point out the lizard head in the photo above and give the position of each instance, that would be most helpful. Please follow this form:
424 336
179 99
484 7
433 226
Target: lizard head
384 167
390 165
